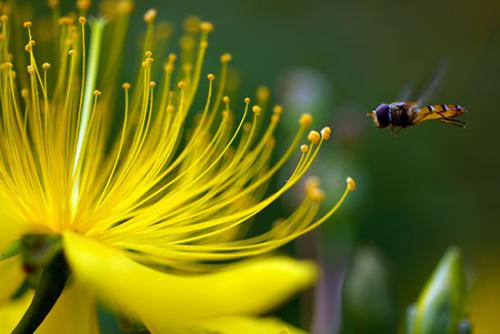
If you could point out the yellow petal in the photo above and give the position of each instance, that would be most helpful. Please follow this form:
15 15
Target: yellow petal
74 312
240 325
160 299
11 229
11 311
11 277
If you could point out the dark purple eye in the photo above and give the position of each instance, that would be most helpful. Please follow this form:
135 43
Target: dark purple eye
383 117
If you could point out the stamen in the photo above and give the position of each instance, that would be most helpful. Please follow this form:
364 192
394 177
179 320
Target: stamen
306 120
150 16
351 184
314 137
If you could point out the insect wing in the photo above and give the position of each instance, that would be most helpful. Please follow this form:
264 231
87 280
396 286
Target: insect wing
426 88
432 85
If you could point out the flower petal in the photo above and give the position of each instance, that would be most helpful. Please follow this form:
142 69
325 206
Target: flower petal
74 312
11 311
11 277
161 299
230 325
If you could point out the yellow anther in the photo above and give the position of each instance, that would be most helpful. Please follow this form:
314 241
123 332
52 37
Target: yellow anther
256 109
187 42
275 118
6 66
204 45
46 66
53 3
83 4
148 54
172 57
25 93
225 114
263 93
65 21
181 84
192 24
326 132
82 20
150 15
225 99
247 100
314 137
27 24
206 27
226 58
31 69
187 67
71 52
152 84
169 67
170 108
304 148
97 93
317 195
278 109
126 85
351 184
211 77
28 47
306 120
312 182
125 7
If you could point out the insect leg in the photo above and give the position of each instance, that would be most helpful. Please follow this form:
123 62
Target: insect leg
395 131
447 120
455 122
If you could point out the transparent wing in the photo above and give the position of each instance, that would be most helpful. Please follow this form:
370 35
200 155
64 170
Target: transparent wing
430 87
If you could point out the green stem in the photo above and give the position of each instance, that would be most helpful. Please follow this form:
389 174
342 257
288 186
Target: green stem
52 282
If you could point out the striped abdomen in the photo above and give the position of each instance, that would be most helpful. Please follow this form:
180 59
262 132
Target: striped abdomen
449 110
439 111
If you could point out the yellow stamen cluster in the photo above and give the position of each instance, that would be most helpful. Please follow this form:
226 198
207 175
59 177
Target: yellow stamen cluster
138 178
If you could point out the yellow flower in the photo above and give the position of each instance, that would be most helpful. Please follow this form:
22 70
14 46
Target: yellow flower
149 196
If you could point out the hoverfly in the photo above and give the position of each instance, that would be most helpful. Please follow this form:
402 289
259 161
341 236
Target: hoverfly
406 113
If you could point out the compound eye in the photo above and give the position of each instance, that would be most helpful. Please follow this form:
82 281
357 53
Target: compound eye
382 112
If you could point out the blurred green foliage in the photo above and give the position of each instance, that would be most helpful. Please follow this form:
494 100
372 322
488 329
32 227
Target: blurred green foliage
440 306
434 185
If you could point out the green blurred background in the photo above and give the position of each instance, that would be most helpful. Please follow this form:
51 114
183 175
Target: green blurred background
432 187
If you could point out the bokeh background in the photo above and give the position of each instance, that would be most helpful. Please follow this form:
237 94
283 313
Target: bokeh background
432 187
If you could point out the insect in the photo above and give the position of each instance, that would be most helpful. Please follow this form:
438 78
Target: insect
399 115
410 112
